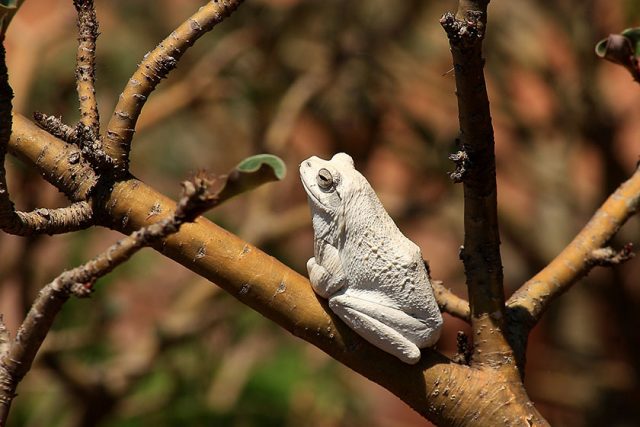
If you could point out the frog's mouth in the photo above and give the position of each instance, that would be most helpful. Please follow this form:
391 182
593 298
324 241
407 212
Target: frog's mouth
310 193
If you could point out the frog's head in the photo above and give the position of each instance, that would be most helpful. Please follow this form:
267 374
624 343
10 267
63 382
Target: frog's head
329 185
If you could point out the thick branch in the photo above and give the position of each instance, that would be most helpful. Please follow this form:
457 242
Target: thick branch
86 64
64 167
577 259
281 294
481 251
153 68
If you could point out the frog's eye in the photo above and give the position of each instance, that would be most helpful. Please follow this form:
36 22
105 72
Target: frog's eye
324 179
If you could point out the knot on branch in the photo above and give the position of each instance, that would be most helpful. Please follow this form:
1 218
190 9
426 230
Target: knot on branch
82 136
92 148
464 33
81 290
607 257
198 195
463 355
461 160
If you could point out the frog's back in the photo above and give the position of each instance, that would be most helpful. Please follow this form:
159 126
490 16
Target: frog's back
379 259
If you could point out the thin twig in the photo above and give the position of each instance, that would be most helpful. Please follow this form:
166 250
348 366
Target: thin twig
86 64
450 302
608 257
40 221
56 127
577 259
203 80
16 362
153 68
77 216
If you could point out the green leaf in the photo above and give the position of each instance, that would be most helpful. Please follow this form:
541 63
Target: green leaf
601 48
254 163
252 172
633 34
622 49
616 48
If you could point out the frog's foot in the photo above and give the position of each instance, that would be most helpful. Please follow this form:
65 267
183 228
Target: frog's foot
323 283
389 329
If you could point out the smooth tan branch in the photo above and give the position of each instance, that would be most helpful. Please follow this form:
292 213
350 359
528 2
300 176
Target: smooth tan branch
584 252
154 67
450 302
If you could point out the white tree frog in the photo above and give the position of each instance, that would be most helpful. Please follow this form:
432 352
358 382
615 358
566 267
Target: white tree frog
372 275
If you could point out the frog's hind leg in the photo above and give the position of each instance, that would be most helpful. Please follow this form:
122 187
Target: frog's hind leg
358 315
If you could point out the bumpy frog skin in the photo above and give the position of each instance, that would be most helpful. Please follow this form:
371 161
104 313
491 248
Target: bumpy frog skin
372 275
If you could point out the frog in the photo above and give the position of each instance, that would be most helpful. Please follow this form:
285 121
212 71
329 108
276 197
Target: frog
373 277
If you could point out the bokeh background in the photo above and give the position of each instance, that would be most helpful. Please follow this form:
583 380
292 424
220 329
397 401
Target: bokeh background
157 345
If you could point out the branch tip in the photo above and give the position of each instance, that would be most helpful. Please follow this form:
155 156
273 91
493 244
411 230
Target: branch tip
464 33
451 303
582 254
607 256
56 127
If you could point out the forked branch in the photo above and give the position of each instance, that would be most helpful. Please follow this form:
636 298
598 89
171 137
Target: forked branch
17 357
284 296
40 221
582 254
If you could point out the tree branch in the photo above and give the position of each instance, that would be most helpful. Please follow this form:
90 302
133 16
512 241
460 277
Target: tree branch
50 221
77 216
86 64
450 302
64 167
153 68
577 259
284 296
17 360
56 127
481 251
5 338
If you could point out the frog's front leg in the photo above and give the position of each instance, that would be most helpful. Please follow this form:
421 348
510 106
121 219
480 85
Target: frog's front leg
326 276
389 329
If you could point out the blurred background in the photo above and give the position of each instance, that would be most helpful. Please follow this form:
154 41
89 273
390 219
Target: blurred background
157 345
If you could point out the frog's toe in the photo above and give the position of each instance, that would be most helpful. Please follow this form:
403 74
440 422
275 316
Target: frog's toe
311 264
